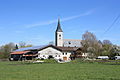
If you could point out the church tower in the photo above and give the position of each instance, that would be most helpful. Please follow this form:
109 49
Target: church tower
59 35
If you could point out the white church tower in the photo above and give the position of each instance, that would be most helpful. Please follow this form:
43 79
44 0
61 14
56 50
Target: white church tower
59 35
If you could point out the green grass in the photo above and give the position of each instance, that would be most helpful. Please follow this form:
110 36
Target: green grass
54 71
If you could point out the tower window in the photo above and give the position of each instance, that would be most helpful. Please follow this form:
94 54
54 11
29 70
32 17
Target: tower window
59 35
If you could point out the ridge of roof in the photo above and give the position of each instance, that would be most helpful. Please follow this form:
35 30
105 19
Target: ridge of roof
72 40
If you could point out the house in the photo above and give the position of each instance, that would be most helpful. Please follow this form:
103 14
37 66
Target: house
50 51
46 52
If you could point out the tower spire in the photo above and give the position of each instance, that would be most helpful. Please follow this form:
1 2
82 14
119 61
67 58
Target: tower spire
59 35
59 26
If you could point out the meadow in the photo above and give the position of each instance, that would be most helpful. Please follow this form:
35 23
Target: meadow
54 71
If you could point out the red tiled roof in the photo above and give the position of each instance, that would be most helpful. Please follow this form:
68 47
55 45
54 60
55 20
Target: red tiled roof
20 52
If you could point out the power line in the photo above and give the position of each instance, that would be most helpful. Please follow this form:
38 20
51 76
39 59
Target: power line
111 24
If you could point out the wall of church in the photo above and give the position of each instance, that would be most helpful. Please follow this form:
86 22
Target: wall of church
71 43
59 39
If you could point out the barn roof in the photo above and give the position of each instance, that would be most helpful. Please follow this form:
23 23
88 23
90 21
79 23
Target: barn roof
30 48
20 52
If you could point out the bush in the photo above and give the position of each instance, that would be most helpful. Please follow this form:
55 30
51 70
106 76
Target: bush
77 60
50 61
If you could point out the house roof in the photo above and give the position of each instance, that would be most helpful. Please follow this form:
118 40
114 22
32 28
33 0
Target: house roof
20 52
50 46
38 48
68 48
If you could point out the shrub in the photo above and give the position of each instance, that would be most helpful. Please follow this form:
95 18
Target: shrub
50 61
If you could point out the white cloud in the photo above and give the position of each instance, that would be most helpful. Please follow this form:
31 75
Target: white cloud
62 20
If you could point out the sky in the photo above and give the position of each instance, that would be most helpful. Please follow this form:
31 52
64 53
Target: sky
35 21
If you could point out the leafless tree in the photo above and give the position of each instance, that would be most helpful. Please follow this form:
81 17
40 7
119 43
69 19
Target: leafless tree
22 44
90 44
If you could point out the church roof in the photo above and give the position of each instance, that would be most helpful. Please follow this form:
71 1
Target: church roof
72 40
59 29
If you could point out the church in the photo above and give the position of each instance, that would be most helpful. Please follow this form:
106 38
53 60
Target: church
60 41
63 49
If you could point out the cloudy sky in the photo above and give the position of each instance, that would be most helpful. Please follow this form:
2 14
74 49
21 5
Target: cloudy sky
35 21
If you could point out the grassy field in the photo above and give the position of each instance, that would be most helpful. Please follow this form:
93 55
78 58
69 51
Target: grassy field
69 71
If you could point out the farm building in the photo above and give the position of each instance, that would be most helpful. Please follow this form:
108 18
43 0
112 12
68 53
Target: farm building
46 52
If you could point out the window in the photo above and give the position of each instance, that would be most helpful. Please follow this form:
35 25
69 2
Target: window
63 53
56 56
66 53
59 35
59 55
69 42
43 55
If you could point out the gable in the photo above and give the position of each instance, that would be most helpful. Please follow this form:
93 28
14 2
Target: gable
49 51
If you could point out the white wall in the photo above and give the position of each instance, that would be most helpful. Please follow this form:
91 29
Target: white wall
54 52
66 54
50 51
59 39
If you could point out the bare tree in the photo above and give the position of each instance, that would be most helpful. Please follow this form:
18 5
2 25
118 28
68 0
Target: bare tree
22 44
107 42
90 44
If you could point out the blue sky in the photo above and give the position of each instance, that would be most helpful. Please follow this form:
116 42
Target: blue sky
35 21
